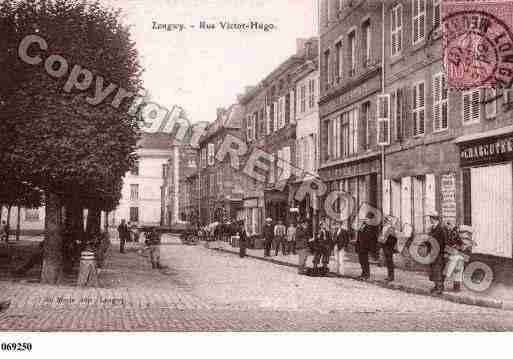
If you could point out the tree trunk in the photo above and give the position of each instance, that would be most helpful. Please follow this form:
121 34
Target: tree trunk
51 272
8 221
106 221
18 224
93 224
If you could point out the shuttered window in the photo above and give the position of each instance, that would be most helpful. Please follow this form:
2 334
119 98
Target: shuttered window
399 115
338 60
418 20
287 109
471 106
396 38
490 103
302 98
366 43
311 93
418 109
352 53
249 130
211 151
440 103
436 13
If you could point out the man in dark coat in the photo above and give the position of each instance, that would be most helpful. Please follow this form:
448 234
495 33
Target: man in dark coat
268 236
440 233
124 233
243 239
366 243
302 246
323 247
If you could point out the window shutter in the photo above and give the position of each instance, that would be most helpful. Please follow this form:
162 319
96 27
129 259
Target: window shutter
386 197
210 154
467 195
476 105
466 107
491 103
437 84
267 119
275 116
421 92
383 120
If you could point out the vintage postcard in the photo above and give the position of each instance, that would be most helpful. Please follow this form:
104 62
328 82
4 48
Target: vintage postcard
255 166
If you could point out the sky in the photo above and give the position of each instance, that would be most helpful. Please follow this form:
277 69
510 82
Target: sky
202 70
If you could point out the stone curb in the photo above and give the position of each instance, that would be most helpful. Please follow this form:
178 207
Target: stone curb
480 302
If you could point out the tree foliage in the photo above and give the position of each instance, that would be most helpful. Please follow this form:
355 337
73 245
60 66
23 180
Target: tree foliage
53 139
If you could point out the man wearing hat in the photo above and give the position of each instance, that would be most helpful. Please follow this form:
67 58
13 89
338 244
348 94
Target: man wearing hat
366 243
440 233
268 236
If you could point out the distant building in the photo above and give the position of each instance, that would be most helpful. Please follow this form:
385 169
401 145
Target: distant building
141 194
220 186
32 220
175 200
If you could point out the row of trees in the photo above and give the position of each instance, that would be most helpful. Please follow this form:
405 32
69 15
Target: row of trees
55 147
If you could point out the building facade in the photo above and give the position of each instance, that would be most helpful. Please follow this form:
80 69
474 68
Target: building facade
175 201
220 186
142 186
270 126
350 80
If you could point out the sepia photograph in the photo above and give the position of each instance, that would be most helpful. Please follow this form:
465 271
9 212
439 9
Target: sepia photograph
256 166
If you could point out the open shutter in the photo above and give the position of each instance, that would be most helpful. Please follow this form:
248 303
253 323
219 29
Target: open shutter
437 95
406 197
430 196
383 119
292 112
275 116
210 154
466 107
267 119
490 103
386 197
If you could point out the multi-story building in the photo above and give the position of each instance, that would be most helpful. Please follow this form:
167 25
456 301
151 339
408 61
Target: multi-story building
192 200
141 193
450 151
220 187
307 132
270 126
350 80
181 164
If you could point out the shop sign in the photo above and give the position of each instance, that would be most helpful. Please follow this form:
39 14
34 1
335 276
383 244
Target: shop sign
448 197
487 151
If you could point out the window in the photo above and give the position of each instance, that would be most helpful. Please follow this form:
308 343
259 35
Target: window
287 107
164 170
134 170
134 192
418 97
302 98
383 119
262 122
440 115
352 53
366 42
338 60
311 93
396 30
436 13
275 118
398 113
418 20
31 214
134 214
365 125
349 133
490 103
471 106
249 127
281 112
327 67
334 140
211 150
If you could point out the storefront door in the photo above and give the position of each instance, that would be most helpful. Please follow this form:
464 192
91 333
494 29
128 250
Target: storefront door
491 199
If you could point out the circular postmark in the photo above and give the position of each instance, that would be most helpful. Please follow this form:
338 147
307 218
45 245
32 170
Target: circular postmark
477 50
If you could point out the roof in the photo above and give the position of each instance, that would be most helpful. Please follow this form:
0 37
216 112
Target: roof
158 140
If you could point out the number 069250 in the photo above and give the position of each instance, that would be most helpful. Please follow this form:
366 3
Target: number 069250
13 347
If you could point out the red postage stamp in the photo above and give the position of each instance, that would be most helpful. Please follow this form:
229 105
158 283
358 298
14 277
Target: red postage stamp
477 42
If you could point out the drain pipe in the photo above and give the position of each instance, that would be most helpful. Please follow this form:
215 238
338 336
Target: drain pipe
383 92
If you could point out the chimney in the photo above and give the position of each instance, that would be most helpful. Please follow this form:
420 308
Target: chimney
300 46
220 112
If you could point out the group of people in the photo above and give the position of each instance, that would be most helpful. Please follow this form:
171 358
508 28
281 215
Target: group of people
126 233
455 244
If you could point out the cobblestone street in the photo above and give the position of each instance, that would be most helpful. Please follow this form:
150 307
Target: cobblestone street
205 290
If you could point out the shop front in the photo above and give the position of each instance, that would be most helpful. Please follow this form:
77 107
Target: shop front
360 179
487 187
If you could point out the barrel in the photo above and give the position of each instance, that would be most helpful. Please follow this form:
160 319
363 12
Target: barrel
87 274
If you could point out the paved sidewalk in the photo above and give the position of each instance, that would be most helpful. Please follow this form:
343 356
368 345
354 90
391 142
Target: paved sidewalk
497 296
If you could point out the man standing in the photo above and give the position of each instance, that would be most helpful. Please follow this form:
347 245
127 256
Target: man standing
302 247
440 233
123 232
243 238
291 238
268 236
342 237
279 235
323 248
153 242
367 242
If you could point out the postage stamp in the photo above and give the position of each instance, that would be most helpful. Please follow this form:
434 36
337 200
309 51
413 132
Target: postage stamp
477 43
